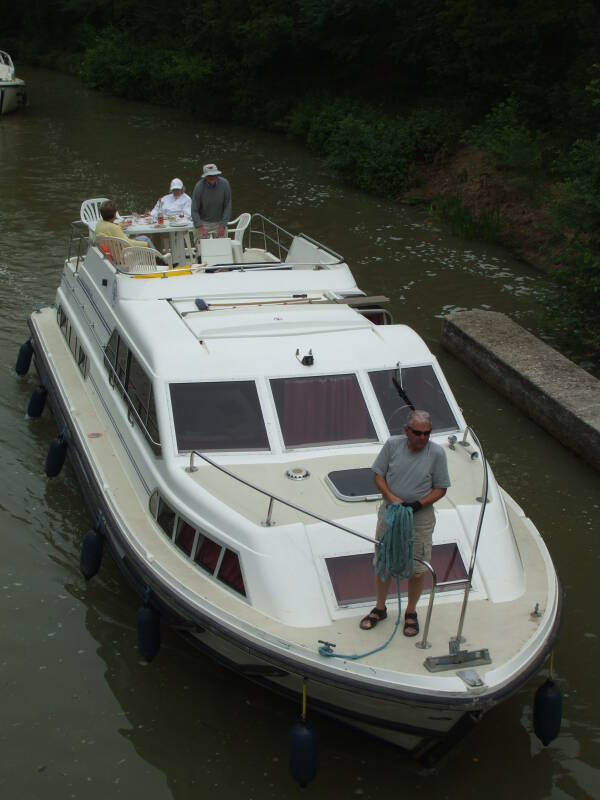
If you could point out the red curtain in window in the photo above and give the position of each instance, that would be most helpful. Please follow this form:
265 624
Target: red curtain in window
316 410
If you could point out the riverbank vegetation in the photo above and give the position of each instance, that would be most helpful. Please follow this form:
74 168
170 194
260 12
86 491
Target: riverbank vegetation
487 111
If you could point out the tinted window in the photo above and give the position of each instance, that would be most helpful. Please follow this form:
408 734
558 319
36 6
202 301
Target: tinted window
322 410
230 572
138 388
165 518
207 554
111 348
421 387
184 538
218 416
122 363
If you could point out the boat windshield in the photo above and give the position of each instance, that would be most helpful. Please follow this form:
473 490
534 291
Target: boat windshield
323 410
421 386
219 415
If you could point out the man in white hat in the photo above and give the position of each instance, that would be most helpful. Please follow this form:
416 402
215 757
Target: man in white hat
211 203
177 202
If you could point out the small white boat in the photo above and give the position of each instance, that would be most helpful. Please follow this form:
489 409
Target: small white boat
12 89
222 419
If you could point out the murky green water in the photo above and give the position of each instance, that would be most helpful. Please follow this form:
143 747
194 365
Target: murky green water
82 715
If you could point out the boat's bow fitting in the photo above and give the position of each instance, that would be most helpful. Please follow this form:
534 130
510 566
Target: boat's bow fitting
458 657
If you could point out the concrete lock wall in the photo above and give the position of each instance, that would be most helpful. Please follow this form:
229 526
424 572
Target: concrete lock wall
556 393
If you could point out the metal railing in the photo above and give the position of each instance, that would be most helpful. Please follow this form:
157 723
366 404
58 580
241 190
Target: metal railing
484 500
273 498
277 241
78 242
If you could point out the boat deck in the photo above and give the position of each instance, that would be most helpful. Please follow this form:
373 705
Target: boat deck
506 628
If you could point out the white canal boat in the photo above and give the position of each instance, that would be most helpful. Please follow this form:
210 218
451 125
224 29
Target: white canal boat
12 89
222 419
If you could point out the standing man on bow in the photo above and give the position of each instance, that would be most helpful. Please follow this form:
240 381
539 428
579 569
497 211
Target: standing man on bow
411 471
211 203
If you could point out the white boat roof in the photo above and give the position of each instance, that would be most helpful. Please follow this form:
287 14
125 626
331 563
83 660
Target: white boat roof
179 342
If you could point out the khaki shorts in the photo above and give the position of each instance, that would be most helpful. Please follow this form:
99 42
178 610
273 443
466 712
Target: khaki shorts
424 523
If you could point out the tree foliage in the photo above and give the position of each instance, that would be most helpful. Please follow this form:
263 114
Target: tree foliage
372 85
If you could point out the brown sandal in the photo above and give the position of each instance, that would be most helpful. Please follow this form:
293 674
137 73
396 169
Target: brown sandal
411 624
372 618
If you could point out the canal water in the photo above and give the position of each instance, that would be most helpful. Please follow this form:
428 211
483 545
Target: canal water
82 716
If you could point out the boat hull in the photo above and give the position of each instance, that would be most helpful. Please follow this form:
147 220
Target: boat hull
12 96
422 724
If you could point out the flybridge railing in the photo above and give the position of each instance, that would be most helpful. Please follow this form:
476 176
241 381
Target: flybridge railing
280 243
268 522
78 241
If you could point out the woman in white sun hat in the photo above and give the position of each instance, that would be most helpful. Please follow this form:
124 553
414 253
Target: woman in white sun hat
176 202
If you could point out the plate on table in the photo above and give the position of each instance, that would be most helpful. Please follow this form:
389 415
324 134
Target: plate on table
178 222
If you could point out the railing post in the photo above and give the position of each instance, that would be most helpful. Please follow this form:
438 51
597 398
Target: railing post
424 644
484 493
269 522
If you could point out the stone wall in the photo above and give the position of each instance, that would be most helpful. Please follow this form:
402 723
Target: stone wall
556 393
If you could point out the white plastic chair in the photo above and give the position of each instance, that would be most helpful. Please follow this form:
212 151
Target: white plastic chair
113 248
145 259
90 212
237 226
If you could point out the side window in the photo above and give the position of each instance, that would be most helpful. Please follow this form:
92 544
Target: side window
230 572
62 320
82 361
165 518
135 386
110 351
122 363
184 538
138 388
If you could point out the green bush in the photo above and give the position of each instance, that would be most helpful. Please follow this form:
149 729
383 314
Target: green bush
578 203
508 138
486 225
366 146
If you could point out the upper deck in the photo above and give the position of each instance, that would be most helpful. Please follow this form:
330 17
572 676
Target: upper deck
268 262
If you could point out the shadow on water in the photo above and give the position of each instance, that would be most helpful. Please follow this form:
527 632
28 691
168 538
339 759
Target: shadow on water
83 716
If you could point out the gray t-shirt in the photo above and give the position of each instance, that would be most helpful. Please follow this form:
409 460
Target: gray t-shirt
412 476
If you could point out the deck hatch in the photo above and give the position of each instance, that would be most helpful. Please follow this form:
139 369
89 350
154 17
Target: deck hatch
352 576
353 485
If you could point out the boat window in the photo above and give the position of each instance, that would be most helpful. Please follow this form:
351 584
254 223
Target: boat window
135 386
111 349
122 363
322 410
223 415
62 320
207 554
82 361
165 518
422 388
184 538
230 572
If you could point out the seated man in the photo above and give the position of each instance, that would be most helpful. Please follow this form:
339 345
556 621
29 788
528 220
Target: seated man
177 202
108 227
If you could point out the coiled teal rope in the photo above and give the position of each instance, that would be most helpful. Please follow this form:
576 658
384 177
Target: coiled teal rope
394 557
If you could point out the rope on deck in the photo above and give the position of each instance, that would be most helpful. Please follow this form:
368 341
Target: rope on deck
394 558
